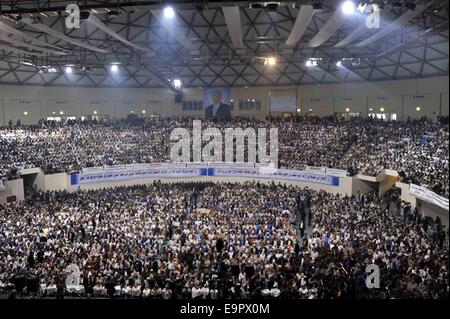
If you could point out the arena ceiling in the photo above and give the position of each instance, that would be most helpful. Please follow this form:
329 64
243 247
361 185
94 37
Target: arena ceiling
215 43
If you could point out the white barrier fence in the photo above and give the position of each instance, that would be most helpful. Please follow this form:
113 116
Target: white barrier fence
189 170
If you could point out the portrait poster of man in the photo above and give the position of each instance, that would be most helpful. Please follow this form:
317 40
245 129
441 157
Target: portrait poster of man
217 102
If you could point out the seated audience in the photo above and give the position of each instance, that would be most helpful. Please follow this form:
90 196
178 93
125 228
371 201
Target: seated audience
418 149
233 241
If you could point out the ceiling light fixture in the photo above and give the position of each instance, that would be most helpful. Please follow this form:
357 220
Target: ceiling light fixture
114 68
270 61
169 12
177 83
348 7
311 63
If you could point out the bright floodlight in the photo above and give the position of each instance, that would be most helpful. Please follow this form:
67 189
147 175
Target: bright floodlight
69 70
339 64
311 63
169 12
270 61
177 83
114 68
348 7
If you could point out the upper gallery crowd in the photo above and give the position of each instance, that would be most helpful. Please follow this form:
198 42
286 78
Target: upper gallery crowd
418 148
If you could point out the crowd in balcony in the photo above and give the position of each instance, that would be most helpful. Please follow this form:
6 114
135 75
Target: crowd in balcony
417 149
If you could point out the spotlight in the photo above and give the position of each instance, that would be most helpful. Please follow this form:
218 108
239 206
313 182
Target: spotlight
69 70
339 64
177 83
347 110
114 68
270 61
311 63
169 12
25 113
382 109
348 7
418 109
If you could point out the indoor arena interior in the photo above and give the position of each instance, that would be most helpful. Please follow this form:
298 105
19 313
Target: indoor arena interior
224 150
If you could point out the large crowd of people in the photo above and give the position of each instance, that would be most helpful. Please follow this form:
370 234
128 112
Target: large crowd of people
205 241
418 149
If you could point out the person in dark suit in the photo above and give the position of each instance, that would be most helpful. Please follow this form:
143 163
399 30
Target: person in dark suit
60 287
218 110
110 287
219 245
302 229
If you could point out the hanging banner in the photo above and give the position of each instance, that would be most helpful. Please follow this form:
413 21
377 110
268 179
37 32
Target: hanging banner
428 196
217 102
189 170
120 175
281 174
336 172
315 169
